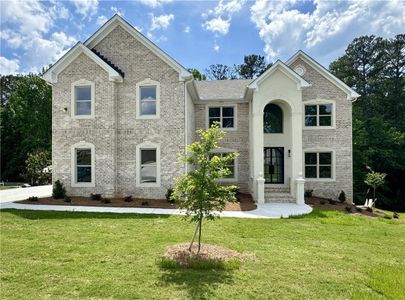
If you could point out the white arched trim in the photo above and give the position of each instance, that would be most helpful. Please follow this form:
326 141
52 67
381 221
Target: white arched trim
78 83
82 145
236 163
139 148
333 167
147 83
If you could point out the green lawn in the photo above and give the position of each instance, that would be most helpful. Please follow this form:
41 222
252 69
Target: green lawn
325 255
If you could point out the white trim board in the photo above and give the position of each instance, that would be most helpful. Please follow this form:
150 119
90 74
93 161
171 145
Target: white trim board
351 94
51 75
116 20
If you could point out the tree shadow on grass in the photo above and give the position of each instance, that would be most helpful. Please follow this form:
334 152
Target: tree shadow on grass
42 214
199 283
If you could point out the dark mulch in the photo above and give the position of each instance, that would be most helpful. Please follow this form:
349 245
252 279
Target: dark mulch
245 202
328 204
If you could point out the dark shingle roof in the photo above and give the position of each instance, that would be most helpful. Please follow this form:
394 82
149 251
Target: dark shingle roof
108 62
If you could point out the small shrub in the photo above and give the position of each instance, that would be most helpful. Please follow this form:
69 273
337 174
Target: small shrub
359 209
395 215
145 203
128 199
95 196
168 195
322 202
58 191
105 200
348 209
342 197
33 199
332 202
308 193
67 199
369 209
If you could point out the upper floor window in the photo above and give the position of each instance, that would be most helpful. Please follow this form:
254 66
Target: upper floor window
225 115
231 166
83 161
83 99
273 119
148 99
318 165
319 115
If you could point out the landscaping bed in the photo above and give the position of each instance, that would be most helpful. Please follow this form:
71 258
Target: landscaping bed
245 202
329 204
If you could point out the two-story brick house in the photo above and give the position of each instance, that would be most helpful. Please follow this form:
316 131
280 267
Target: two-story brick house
123 109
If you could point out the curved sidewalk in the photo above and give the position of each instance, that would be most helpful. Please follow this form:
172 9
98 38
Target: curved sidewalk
267 210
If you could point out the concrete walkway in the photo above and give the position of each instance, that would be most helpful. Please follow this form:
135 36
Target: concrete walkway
268 210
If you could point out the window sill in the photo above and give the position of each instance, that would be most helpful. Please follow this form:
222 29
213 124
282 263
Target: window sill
148 185
85 117
85 185
151 117
227 180
320 180
318 127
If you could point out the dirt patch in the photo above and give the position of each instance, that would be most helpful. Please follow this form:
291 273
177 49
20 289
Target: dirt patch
181 254
328 204
245 202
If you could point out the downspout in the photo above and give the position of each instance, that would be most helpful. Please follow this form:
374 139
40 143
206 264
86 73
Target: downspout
116 140
185 119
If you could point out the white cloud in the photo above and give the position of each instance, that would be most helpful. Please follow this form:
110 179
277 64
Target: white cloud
117 11
26 28
8 66
160 22
187 29
216 47
326 29
86 8
221 16
155 3
218 25
101 20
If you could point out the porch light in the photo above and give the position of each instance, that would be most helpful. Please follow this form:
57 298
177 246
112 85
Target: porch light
289 153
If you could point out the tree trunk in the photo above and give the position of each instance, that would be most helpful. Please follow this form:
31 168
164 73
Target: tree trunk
192 239
199 235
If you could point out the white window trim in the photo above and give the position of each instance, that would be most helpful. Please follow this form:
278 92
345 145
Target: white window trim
318 102
82 145
146 146
78 83
235 114
333 169
236 162
147 82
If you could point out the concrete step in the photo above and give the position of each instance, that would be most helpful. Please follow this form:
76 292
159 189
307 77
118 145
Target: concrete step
278 198
270 189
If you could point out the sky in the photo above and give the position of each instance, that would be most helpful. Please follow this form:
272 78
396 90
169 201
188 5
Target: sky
197 34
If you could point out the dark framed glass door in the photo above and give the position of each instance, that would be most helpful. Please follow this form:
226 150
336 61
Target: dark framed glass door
274 164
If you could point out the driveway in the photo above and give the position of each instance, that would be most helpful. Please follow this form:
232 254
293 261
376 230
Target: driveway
16 194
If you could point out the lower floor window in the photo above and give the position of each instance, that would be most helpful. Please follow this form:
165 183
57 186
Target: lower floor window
230 166
318 165
83 165
148 166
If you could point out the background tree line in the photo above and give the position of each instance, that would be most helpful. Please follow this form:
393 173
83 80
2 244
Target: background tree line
371 65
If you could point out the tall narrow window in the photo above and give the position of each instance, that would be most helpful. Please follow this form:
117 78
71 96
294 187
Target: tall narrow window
148 172
318 165
83 165
273 119
148 100
318 115
83 100
224 115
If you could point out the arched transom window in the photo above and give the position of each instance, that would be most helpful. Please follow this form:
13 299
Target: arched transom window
273 119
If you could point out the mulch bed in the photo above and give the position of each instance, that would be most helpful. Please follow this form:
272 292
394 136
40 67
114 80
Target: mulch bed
328 204
245 203
181 254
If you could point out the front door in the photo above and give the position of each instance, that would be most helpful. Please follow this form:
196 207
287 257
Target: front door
274 164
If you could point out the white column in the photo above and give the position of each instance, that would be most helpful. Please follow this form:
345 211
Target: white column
260 188
300 182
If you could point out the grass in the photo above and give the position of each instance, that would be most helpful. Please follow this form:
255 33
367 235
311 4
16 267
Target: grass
324 255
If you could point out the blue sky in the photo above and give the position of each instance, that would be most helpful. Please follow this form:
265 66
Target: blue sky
196 33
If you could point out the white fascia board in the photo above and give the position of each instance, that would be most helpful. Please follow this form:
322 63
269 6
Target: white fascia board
279 65
351 94
51 75
117 20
